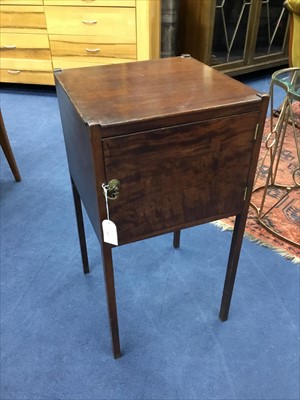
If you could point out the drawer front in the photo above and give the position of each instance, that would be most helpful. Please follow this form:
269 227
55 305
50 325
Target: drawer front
29 46
27 71
94 3
111 25
21 2
88 48
74 62
177 177
22 19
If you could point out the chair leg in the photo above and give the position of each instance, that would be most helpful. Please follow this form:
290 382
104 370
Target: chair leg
80 228
4 141
176 239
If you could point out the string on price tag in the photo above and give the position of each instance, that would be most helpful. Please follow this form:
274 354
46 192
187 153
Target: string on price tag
110 234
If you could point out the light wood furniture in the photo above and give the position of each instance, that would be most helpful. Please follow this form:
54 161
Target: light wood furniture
24 46
181 158
38 36
235 36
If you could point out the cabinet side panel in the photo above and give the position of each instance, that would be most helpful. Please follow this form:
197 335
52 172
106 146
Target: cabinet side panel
79 154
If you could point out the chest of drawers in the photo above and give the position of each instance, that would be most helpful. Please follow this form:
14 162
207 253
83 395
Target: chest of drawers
174 142
91 35
38 36
24 45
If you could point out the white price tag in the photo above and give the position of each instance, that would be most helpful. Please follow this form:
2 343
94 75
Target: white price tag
110 234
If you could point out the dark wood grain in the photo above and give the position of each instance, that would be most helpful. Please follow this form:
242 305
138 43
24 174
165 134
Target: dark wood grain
179 175
80 228
7 150
176 239
80 159
149 92
182 139
241 218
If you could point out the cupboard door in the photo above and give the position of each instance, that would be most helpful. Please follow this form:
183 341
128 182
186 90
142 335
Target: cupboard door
234 36
230 31
272 29
179 176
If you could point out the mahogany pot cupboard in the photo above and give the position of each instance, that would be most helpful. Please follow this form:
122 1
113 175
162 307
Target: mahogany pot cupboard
155 147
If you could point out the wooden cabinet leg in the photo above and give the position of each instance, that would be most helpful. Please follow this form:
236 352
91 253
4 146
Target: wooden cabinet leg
176 239
4 141
80 228
111 299
235 249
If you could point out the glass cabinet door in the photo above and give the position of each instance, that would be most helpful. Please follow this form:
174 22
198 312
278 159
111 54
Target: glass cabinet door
235 36
230 31
273 28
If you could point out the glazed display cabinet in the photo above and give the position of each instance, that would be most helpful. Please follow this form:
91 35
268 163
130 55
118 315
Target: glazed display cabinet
235 36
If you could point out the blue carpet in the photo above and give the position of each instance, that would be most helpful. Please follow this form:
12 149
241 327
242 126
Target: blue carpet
55 339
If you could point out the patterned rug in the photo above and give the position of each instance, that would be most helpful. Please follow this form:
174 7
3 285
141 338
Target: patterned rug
281 209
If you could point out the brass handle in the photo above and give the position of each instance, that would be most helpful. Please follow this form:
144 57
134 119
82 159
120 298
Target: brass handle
113 189
89 22
10 47
92 50
13 71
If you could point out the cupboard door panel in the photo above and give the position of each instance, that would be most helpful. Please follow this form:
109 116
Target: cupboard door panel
179 175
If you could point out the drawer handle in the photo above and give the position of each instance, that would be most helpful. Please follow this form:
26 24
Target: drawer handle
10 47
89 22
92 50
13 71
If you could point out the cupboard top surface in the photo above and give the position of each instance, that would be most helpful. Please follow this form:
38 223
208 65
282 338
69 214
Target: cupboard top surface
132 93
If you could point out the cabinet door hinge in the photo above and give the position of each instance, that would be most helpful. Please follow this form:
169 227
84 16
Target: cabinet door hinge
256 131
245 193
